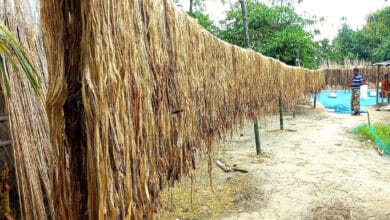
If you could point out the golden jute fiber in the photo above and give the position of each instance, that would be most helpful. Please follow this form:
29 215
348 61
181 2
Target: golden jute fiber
155 88
133 90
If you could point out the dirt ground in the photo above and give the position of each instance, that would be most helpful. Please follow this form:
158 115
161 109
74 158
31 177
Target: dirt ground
316 168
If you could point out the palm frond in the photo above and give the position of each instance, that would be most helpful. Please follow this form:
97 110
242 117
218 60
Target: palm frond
5 76
13 52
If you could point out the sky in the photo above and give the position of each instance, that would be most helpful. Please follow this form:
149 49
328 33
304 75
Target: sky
356 11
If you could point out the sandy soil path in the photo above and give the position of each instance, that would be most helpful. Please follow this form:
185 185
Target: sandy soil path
314 169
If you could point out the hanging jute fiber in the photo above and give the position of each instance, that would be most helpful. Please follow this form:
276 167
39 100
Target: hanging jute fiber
31 151
135 89
152 88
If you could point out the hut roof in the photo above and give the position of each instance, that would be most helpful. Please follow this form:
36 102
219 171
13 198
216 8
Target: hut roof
384 63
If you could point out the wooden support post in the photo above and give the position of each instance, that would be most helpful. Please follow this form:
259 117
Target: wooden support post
257 137
368 118
315 100
246 37
293 112
377 85
281 112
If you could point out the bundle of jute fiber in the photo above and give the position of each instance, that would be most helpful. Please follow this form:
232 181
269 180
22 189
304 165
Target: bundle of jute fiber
291 79
31 149
314 81
151 88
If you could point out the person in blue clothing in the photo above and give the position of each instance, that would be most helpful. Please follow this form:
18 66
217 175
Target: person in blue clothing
355 83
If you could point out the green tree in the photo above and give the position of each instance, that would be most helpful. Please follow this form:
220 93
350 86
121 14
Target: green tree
197 4
351 44
325 49
197 11
205 21
377 29
378 23
382 52
371 43
275 31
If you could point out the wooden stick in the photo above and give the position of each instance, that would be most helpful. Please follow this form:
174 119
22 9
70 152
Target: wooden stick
377 84
223 166
257 137
5 143
240 170
3 118
281 112
380 151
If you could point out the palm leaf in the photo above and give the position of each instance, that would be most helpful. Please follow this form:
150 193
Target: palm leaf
5 76
15 53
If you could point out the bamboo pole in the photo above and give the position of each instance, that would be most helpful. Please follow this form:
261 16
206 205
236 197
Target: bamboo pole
377 85
246 35
293 112
257 137
281 112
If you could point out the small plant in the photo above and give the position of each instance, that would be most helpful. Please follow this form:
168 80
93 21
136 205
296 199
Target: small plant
365 131
379 133
12 51
383 131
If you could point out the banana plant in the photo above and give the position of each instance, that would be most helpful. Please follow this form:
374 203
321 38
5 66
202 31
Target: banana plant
11 51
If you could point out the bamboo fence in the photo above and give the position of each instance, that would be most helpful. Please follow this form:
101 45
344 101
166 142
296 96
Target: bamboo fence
339 78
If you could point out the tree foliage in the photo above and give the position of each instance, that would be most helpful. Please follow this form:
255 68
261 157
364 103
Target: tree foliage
205 21
377 29
196 10
371 43
276 31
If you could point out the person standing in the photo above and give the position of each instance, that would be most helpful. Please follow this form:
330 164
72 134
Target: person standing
385 87
355 83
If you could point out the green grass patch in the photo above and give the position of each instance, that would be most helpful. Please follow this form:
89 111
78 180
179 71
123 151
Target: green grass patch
378 133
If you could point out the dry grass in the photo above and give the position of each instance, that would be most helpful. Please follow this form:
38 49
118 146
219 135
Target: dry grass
231 193
335 210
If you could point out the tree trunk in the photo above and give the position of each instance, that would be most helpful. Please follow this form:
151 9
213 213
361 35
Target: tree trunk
191 6
245 22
